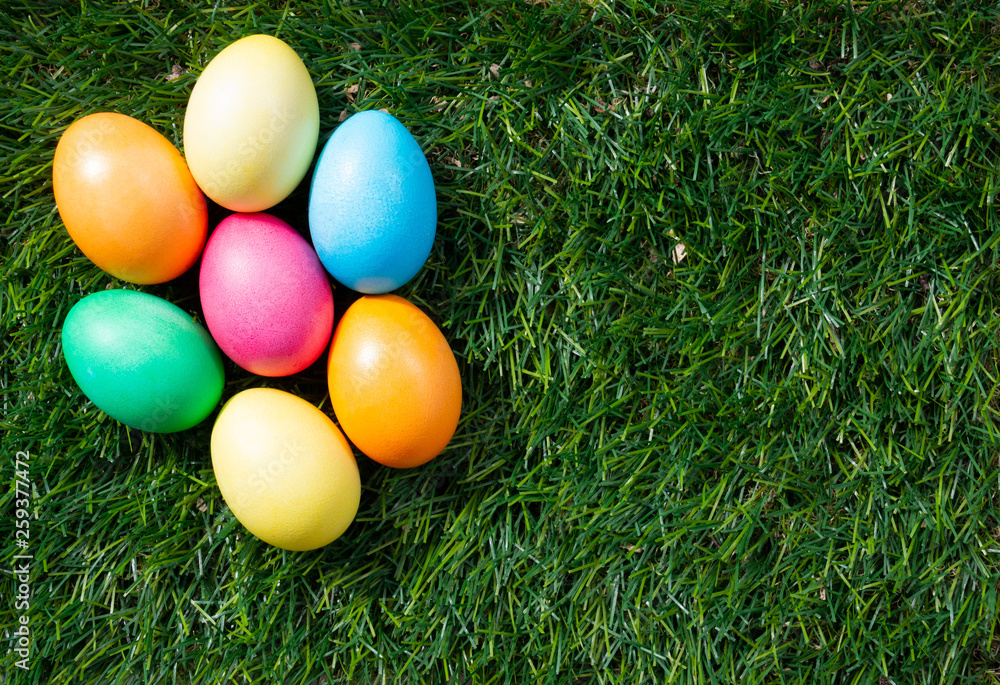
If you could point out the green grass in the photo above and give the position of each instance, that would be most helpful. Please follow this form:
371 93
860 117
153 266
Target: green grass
775 461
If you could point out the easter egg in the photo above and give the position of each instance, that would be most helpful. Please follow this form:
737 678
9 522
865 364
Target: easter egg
127 198
284 469
142 360
266 297
252 124
394 382
372 208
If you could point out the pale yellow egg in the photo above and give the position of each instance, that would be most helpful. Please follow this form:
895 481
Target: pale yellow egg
251 125
285 470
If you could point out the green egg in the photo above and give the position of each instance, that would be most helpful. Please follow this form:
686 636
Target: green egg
142 360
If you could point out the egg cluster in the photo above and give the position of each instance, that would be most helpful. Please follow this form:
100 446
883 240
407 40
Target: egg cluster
137 209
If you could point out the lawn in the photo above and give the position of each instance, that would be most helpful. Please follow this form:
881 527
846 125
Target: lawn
721 279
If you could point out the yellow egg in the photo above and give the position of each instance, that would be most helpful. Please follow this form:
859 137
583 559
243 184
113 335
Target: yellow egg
285 470
251 125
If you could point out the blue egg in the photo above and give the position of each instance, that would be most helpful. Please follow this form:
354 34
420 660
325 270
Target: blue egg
372 208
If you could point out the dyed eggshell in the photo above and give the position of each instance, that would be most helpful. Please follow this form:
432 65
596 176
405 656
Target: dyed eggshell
142 360
127 198
372 208
284 469
252 124
266 297
394 382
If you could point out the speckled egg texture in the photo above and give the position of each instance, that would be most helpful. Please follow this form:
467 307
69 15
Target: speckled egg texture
266 298
372 207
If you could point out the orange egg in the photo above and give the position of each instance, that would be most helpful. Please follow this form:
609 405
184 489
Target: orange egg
394 382
127 198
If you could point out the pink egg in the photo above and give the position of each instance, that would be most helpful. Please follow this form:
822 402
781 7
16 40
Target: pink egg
265 294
